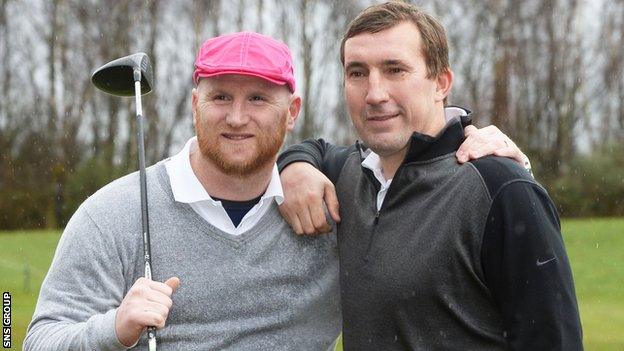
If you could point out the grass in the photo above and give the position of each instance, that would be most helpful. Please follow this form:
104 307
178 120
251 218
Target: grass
595 247
24 262
596 251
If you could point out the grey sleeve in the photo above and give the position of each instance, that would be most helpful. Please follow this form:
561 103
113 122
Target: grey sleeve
81 292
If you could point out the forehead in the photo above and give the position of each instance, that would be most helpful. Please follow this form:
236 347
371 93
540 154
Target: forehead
400 42
240 82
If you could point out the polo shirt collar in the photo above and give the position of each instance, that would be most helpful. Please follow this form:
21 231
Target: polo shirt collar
186 187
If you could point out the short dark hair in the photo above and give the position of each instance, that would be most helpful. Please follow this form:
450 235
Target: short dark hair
380 17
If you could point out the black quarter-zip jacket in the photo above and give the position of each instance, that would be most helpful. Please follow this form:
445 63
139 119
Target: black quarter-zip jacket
459 257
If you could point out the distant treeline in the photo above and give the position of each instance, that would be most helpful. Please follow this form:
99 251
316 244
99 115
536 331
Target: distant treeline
549 73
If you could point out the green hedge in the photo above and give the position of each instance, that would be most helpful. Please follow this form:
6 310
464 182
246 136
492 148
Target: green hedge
45 196
592 185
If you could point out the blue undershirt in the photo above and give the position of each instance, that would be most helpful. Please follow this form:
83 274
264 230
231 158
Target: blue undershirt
236 210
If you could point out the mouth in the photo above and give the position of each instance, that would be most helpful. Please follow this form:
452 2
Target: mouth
236 136
381 118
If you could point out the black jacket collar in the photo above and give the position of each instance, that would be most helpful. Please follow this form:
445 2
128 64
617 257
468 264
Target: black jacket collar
424 147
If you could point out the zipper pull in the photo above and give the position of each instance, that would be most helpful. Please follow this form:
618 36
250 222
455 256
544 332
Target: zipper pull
376 218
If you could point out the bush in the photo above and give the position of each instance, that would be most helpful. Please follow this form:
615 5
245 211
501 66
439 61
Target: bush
593 185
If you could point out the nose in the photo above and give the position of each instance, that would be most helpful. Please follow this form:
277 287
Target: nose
376 93
238 116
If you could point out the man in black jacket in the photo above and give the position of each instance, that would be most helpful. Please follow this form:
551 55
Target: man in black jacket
433 254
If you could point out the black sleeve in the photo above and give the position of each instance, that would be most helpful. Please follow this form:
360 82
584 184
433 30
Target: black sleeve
324 156
527 270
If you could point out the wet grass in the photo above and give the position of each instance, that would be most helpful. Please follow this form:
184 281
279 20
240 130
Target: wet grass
24 262
596 251
595 247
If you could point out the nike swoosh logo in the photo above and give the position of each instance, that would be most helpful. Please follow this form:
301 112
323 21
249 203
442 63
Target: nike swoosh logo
541 263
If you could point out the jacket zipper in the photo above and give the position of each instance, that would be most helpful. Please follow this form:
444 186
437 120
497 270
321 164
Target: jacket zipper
378 211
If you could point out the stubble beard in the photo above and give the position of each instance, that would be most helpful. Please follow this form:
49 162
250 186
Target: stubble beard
383 146
388 148
268 144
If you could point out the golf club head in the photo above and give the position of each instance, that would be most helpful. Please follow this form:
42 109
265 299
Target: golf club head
117 78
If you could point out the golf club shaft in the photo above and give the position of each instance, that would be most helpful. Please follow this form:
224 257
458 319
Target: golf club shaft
151 331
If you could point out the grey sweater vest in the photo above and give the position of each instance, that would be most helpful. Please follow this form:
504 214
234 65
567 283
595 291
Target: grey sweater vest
267 289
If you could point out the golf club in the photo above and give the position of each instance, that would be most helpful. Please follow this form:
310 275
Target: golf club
127 76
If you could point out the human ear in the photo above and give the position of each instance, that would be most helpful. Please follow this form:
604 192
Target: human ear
444 82
293 111
194 98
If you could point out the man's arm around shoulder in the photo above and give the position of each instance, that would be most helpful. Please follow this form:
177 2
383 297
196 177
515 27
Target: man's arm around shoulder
308 172
324 156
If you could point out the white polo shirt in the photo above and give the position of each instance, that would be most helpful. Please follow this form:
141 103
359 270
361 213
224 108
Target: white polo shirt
187 189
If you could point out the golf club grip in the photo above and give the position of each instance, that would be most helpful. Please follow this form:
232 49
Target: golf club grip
151 331
151 338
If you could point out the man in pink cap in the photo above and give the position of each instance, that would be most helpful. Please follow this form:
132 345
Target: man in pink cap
235 274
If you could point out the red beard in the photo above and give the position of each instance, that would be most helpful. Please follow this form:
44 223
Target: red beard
267 145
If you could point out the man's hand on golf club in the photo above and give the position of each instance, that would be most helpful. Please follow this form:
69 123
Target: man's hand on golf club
146 304
307 192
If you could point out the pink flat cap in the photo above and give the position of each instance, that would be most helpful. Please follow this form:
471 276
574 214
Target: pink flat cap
246 53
